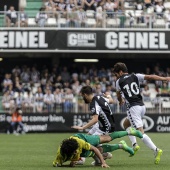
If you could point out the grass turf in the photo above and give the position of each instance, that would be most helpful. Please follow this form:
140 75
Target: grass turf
37 151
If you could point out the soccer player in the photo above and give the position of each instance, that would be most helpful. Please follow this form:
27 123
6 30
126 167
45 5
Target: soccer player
128 91
99 106
84 145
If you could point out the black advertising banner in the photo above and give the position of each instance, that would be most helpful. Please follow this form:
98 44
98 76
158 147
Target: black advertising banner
84 40
63 122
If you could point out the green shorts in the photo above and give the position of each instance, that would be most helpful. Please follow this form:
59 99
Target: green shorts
92 139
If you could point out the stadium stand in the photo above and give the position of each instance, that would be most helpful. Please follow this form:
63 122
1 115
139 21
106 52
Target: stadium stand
30 88
123 15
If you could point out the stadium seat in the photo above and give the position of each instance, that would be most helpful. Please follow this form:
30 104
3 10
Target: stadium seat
31 22
90 22
149 105
90 14
62 22
51 22
113 22
127 12
160 23
166 105
167 5
138 13
128 5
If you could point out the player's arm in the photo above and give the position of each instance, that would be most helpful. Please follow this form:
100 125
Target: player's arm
99 155
155 77
89 124
120 98
109 98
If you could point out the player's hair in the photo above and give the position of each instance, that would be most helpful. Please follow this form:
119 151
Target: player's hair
120 67
68 147
86 90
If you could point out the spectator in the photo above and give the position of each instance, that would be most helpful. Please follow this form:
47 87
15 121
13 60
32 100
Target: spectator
16 71
68 101
148 3
58 98
41 17
146 93
76 87
49 100
159 9
6 101
99 14
19 100
72 18
18 87
165 90
65 75
23 18
11 16
109 7
35 75
39 97
16 125
84 75
50 7
28 102
139 6
44 80
89 5
25 75
82 17
7 82
61 8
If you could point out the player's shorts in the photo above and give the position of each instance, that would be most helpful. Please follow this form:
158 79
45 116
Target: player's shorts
92 139
135 114
95 130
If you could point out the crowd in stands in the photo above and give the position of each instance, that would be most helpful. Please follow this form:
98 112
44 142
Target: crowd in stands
57 90
95 13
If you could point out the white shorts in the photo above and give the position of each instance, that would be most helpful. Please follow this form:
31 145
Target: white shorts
135 114
95 130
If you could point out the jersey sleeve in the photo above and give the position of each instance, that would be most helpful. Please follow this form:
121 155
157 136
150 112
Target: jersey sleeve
140 77
59 158
94 107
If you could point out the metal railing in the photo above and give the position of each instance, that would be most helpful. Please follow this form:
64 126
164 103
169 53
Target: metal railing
156 105
87 19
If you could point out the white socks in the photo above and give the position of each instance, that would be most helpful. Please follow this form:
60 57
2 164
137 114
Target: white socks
132 138
148 142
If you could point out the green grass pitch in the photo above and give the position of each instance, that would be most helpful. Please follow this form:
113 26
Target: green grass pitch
37 151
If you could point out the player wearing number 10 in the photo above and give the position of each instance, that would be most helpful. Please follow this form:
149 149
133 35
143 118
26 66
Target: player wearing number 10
128 91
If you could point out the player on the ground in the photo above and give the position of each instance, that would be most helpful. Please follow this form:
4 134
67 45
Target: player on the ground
83 145
128 91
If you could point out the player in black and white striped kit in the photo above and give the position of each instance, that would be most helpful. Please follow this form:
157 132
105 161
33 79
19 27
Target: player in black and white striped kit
128 91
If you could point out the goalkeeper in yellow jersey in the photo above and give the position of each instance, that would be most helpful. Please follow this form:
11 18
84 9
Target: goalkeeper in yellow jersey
84 145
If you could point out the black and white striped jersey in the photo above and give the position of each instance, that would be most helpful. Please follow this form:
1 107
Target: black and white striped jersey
100 106
129 86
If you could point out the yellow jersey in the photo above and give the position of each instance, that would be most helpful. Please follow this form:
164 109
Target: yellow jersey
60 159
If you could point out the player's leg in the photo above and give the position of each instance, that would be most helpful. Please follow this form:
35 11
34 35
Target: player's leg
119 134
136 122
105 149
135 146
